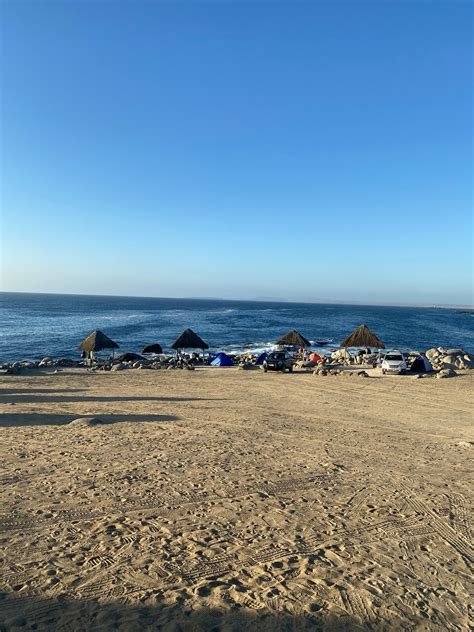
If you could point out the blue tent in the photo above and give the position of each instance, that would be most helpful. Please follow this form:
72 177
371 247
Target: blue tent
222 359
261 358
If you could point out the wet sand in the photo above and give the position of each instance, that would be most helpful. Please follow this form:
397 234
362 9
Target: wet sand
220 499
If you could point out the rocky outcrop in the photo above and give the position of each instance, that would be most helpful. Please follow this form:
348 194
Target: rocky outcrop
454 359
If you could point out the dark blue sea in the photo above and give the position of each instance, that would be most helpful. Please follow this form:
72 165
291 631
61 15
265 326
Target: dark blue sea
36 325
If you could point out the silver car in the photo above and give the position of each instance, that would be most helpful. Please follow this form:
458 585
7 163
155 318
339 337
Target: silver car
394 362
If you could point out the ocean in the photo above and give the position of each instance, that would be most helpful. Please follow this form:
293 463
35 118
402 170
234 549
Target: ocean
33 326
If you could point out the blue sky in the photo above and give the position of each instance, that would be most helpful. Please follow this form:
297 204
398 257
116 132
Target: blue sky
238 150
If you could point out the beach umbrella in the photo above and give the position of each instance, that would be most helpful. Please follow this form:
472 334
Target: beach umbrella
152 349
295 339
363 337
96 341
189 340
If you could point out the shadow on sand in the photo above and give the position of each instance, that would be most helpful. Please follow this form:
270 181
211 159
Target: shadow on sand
52 419
16 391
50 399
55 615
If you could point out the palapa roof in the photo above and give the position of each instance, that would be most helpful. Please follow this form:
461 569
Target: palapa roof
156 348
189 340
96 341
295 339
363 337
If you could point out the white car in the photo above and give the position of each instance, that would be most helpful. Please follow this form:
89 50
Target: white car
394 362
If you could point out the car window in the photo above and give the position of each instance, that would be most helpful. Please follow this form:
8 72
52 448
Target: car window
394 356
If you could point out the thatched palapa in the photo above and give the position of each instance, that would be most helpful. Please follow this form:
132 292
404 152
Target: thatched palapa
363 337
156 348
96 341
295 339
189 340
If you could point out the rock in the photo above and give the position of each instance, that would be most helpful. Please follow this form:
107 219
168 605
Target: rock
362 374
449 359
465 444
13 370
455 352
446 373
432 353
448 365
27 364
67 362
118 367
88 421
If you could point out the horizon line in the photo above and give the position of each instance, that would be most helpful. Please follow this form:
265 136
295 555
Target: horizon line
257 300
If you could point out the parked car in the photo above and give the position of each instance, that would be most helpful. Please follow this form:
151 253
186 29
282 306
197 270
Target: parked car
278 361
394 362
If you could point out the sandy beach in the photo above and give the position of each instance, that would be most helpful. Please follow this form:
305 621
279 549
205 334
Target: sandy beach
219 499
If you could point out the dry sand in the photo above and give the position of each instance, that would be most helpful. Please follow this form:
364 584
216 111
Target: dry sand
220 500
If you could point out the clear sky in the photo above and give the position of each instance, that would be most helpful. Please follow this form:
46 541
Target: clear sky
318 150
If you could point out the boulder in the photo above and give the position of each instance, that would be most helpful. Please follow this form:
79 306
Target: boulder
118 367
362 374
454 352
27 364
449 358
446 373
88 421
448 365
431 354
67 362
13 370
320 372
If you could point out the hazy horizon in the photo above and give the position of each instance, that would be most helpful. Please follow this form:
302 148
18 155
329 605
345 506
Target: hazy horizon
259 299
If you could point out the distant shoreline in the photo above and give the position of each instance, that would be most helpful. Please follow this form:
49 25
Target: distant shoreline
468 309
